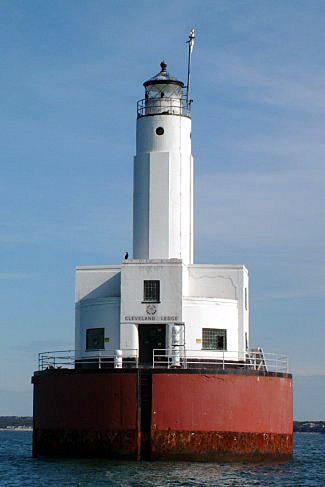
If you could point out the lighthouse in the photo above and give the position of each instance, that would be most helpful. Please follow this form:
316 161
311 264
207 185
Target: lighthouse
162 366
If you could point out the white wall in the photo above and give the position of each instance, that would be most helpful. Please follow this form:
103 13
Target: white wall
163 189
202 296
98 313
97 305
134 310
160 230
134 273
97 282
129 338
176 137
210 281
141 175
223 282
246 307
201 313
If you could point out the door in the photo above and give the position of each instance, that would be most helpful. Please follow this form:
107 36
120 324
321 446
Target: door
150 337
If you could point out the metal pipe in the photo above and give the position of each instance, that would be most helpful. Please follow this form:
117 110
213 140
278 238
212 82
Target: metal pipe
190 43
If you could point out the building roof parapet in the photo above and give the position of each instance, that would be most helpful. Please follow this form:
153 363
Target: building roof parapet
97 267
98 301
218 266
211 300
152 261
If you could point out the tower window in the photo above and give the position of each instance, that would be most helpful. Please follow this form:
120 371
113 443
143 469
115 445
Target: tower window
151 291
160 131
95 339
214 339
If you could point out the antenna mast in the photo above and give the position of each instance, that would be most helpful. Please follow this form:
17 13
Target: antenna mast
190 43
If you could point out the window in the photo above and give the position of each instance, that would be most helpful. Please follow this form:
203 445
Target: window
95 339
151 291
214 339
160 131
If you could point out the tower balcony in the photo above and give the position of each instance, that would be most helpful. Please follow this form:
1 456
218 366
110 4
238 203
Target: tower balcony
163 106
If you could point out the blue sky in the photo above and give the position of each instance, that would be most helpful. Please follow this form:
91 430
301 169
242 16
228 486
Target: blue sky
70 77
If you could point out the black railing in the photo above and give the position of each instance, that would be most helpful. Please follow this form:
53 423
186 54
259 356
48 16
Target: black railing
163 106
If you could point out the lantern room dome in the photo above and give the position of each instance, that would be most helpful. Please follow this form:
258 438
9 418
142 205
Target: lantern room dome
163 84
163 77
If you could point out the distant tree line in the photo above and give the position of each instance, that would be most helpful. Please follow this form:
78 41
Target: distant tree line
309 426
15 421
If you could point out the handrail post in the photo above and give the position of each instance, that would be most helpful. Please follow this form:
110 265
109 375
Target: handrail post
276 362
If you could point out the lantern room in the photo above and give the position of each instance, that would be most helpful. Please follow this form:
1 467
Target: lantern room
163 95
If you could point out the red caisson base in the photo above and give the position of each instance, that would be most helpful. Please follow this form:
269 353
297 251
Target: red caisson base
221 416
163 414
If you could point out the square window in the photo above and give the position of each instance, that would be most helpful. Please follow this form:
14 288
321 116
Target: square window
95 339
151 291
214 339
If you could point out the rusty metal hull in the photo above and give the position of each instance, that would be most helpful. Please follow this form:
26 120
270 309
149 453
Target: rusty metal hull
85 414
85 443
163 414
220 446
211 416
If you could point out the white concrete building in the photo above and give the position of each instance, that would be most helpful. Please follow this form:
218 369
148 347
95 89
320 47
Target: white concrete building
160 299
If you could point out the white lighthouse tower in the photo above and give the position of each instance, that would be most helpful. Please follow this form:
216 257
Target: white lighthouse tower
160 299
163 173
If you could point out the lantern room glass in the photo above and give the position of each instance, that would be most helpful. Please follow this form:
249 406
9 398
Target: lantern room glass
164 90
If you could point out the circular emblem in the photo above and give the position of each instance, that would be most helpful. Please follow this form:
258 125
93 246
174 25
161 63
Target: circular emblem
151 309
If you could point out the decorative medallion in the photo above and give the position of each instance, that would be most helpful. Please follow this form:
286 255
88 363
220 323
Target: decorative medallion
151 309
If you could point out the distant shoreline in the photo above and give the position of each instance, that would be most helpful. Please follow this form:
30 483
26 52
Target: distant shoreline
25 424
15 430
30 430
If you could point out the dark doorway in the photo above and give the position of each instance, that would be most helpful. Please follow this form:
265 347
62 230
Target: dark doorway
150 337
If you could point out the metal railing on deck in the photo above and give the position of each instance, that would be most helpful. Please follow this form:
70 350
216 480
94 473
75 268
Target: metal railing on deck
98 359
255 359
177 357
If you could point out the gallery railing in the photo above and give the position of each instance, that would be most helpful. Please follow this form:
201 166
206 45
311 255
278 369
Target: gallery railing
255 359
98 359
176 357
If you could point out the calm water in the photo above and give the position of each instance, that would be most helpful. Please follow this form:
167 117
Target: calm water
17 468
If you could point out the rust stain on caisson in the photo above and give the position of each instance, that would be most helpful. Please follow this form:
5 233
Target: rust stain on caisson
203 446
